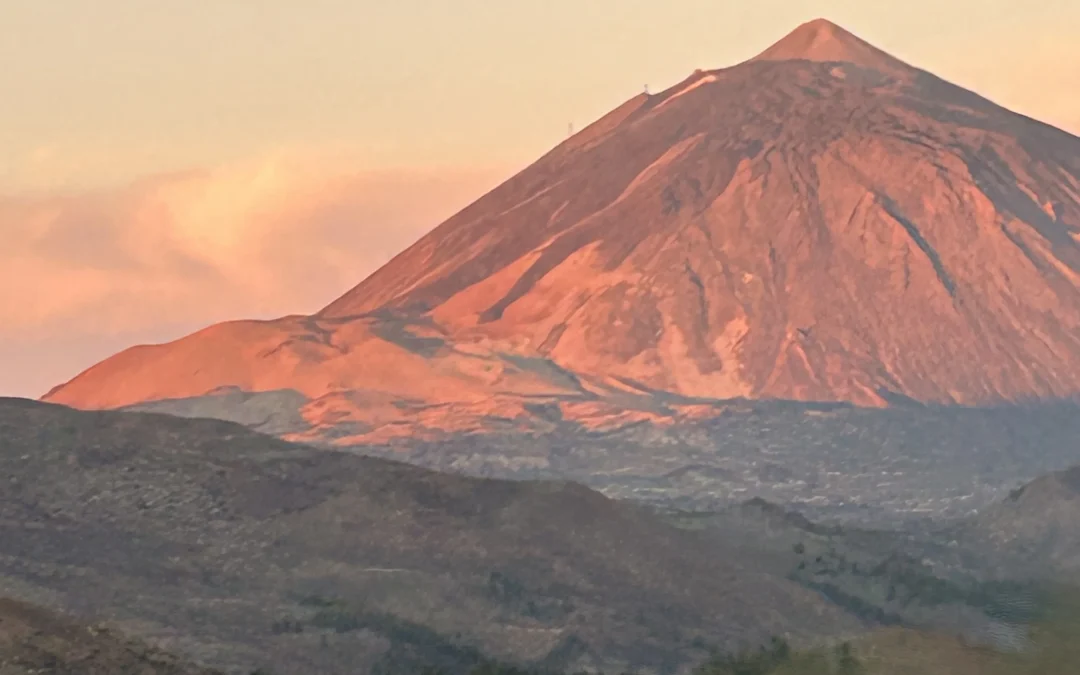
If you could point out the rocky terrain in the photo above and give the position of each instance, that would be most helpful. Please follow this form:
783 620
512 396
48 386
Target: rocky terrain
35 641
239 550
1034 532
822 222
916 577
988 577
874 466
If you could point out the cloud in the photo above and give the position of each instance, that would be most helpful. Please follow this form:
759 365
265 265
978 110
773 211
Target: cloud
91 273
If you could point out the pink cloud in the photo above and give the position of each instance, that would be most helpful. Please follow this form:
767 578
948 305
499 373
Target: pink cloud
84 275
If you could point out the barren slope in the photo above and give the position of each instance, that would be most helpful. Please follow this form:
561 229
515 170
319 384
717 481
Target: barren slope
822 222
34 641
1036 531
241 550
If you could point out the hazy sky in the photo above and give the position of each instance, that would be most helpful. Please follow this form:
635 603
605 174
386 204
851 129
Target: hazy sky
98 91
168 163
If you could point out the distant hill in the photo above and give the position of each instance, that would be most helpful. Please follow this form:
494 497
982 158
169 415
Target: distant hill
1035 531
912 578
240 550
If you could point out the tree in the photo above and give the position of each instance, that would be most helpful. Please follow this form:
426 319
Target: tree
846 661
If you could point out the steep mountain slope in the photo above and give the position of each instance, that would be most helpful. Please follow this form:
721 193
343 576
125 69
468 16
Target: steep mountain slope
239 550
822 222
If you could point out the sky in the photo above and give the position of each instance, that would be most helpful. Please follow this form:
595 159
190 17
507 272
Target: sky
168 164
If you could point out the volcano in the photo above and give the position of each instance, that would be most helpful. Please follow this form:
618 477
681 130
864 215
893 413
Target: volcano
822 222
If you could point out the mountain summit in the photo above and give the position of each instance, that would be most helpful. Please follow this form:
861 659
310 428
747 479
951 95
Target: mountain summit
822 222
823 41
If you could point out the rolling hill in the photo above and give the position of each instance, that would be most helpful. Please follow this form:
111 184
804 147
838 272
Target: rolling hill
239 550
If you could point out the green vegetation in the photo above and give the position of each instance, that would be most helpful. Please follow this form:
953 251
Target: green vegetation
413 648
897 590
751 662
775 658
513 595
1048 619
778 658
1054 649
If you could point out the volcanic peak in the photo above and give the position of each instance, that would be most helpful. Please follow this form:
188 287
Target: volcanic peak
823 41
